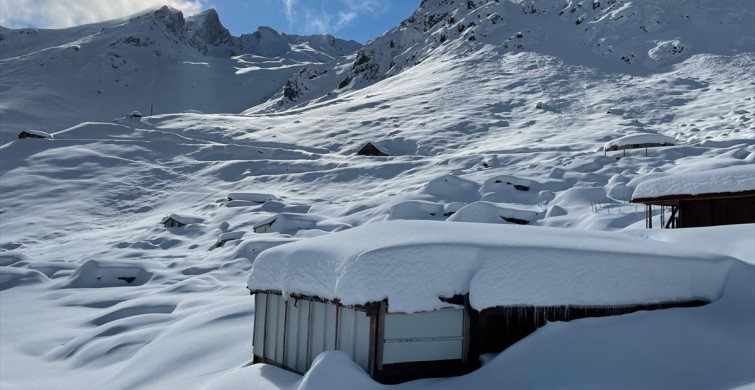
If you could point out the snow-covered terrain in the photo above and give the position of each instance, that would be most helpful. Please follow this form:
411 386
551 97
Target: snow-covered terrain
97 293
157 62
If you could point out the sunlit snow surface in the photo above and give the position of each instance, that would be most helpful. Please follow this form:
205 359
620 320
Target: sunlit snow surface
88 203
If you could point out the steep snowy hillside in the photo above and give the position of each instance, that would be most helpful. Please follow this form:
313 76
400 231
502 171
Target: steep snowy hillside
53 79
97 292
614 35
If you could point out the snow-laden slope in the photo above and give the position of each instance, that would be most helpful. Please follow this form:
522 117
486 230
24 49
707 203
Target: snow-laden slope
157 60
462 128
618 36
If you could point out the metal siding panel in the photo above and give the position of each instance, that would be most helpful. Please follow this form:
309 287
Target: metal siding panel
330 327
400 352
319 321
302 333
292 333
432 324
279 335
271 327
259 323
362 339
346 331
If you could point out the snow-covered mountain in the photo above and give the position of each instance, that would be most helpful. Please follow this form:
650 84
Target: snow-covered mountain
615 35
495 129
155 61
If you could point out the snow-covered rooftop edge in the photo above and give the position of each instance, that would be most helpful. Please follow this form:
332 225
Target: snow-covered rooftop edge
413 263
738 178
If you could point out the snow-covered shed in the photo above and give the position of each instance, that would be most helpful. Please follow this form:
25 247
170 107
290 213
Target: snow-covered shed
34 134
177 220
135 115
414 299
252 197
638 141
292 223
723 196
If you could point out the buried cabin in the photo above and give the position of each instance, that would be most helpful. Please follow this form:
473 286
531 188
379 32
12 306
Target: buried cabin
418 299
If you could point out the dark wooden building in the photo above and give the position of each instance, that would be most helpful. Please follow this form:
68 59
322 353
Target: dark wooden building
689 200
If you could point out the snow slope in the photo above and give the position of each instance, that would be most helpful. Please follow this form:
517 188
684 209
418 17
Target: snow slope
619 36
154 61
88 203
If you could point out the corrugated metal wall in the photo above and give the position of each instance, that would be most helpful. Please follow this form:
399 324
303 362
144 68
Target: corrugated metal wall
292 333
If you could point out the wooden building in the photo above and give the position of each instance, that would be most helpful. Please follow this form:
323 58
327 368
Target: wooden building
717 197
393 304
638 141
34 134
398 347
177 220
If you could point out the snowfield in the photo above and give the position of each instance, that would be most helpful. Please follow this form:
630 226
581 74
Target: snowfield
97 293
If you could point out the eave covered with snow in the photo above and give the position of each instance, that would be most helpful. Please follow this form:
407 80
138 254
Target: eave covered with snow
637 141
413 264
736 181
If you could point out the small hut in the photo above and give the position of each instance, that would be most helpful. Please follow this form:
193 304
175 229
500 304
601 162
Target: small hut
252 197
369 149
419 299
176 220
228 236
264 225
34 134
638 141
722 196
135 115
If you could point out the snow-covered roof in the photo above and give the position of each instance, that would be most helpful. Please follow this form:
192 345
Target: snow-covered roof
184 219
413 263
252 197
135 114
738 178
291 223
228 236
38 133
633 141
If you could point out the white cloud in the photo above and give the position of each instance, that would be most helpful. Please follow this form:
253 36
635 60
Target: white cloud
334 17
67 13
289 9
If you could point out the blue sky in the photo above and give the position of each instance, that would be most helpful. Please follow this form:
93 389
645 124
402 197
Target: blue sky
360 20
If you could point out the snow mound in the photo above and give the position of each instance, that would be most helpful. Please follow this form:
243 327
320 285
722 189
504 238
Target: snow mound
452 188
502 182
416 209
100 273
12 276
730 179
488 212
413 263
335 364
